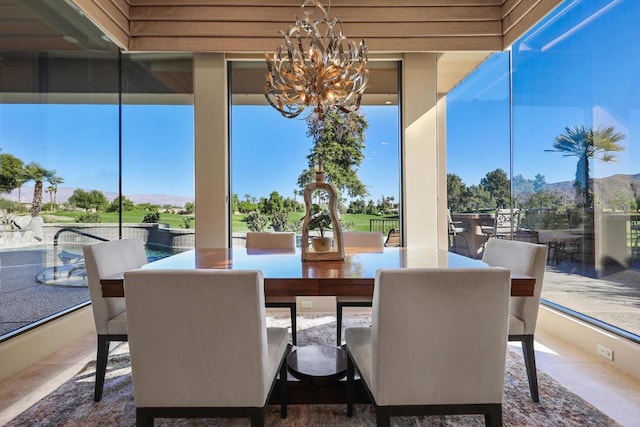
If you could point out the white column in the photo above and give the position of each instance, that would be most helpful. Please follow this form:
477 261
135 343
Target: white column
211 154
424 161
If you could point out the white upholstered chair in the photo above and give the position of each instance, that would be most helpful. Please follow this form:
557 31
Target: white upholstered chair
102 260
530 259
194 353
280 241
369 240
437 344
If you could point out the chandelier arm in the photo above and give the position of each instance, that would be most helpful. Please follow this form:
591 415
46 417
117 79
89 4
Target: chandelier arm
317 66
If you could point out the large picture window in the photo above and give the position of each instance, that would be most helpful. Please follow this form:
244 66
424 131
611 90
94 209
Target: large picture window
93 145
270 162
570 132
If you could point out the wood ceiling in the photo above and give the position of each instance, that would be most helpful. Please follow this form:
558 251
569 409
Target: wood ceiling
254 25
464 32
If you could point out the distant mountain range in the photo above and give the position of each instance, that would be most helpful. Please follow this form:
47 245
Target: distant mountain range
611 187
614 186
64 193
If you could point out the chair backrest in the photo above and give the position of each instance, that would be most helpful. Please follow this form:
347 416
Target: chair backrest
108 259
363 239
393 238
275 240
439 336
505 221
524 258
197 337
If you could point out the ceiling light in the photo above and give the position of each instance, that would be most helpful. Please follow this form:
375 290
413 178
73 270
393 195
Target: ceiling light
316 67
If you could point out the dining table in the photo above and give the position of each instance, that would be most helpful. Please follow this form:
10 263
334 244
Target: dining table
286 274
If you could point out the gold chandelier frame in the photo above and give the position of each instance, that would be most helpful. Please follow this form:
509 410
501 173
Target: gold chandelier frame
316 67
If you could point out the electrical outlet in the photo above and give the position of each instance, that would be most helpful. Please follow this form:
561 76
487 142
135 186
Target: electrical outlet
605 352
307 304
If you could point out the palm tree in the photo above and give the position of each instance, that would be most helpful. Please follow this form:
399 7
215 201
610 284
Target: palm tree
587 143
55 181
37 173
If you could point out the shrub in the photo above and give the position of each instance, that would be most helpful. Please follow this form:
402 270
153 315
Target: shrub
89 217
151 218
280 222
256 221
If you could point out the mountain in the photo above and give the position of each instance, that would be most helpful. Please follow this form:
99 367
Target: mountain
64 193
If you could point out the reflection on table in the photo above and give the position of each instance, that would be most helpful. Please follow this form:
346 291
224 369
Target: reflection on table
286 275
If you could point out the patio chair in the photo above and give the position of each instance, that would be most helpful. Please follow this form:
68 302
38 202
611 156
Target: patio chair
456 228
102 260
393 238
372 240
277 240
415 358
505 222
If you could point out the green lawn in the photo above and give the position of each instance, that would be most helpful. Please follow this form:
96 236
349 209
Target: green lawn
356 222
174 220
353 222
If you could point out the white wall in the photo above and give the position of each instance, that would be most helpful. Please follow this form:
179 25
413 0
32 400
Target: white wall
626 354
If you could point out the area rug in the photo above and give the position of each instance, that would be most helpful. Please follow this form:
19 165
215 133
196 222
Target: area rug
72 403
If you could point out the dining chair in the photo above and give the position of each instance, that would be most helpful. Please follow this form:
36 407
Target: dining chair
437 343
194 354
530 259
109 314
370 240
277 240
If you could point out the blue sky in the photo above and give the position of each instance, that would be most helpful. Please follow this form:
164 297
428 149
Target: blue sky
271 152
80 143
581 68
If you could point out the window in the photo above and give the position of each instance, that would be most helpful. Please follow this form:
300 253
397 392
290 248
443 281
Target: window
568 143
269 163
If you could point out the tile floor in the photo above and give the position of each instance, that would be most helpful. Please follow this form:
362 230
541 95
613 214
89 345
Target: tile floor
613 392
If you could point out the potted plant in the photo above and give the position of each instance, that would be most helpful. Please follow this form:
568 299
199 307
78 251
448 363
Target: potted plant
320 220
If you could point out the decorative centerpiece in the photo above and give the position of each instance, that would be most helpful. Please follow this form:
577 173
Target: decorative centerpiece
321 247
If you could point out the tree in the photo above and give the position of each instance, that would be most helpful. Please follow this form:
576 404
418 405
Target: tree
127 205
12 173
356 207
37 173
539 182
275 203
477 197
338 139
93 199
497 184
456 190
587 143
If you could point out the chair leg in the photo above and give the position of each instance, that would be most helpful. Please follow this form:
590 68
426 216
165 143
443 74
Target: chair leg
493 418
143 420
530 363
383 417
339 308
258 417
101 366
294 323
351 375
283 387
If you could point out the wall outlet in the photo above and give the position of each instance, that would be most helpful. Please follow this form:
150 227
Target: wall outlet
307 304
605 352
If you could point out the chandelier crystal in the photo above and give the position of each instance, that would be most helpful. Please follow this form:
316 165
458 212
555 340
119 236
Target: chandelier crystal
316 67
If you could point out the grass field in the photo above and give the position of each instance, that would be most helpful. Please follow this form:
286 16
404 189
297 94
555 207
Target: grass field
352 222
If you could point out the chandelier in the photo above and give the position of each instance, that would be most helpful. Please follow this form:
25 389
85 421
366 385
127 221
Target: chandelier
316 67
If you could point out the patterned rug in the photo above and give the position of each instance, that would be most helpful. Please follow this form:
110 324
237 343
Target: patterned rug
72 403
